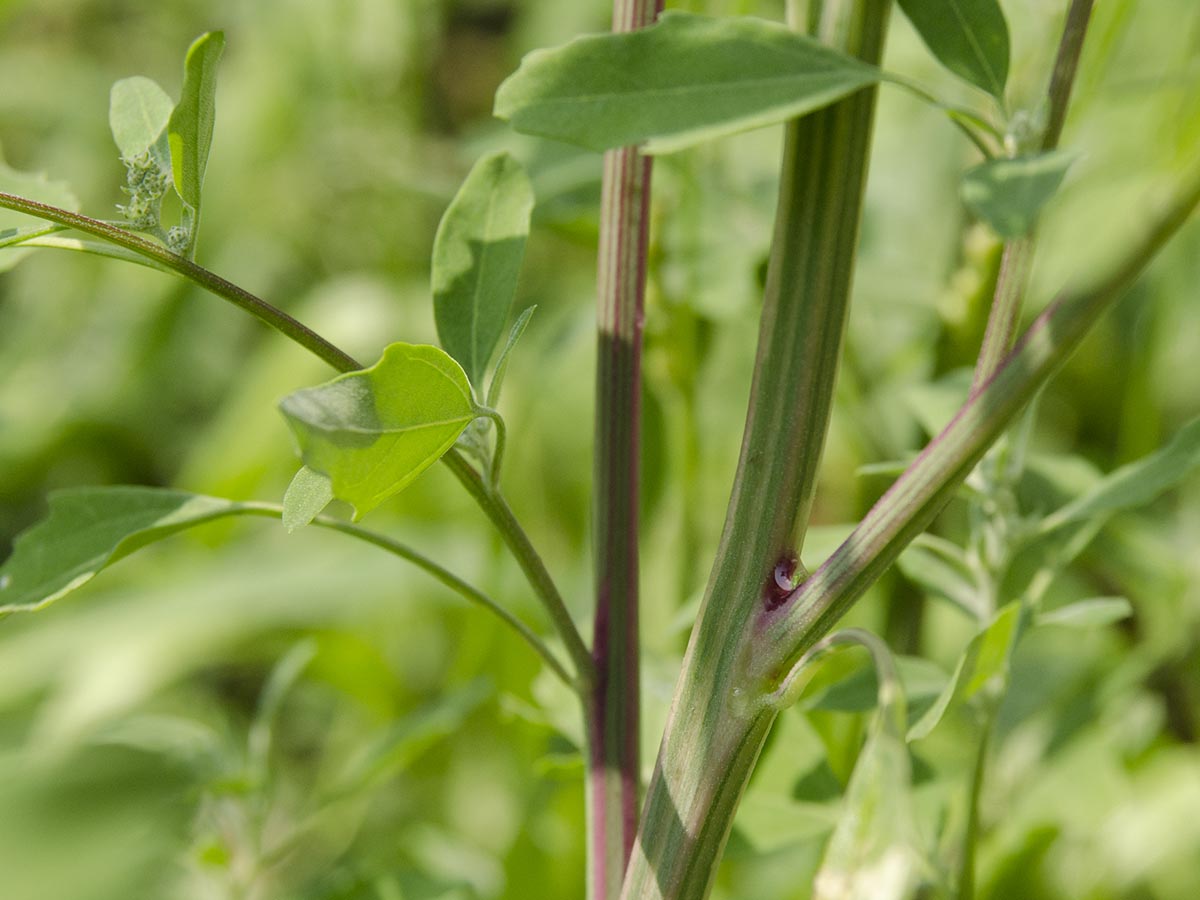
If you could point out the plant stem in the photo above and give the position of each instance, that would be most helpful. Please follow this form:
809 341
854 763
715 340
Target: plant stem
491 502
1017 261
714 734
966 870
501 515
442 574
929 483
210 281
613 781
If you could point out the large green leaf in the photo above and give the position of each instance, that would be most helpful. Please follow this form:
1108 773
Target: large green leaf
138 114
1134 484
191 124
372 432
684 80
88 530
35 187
969 37
476 260
1008 194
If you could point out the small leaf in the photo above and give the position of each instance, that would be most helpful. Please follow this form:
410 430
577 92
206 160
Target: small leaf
372 432
1135 484
138 113
514 335
1095 612
685 80
88 530
191 124
1009 194
476 261
14 224
969 37
982 669
308 494
943 579
922 681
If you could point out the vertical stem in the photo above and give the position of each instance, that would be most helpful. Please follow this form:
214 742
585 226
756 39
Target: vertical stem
1017 263
713 735
966 870
612 713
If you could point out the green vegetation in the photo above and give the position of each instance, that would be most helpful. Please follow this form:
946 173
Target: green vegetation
969 450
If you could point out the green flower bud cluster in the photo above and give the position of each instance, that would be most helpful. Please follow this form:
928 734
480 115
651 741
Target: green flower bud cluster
145 183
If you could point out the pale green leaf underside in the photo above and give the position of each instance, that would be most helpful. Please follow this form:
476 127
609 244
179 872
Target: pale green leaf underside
968 37
88 530
1009 194
685 80
308 494
1134 484
477 259
191 123
1095 612
138 113
373 432
35 187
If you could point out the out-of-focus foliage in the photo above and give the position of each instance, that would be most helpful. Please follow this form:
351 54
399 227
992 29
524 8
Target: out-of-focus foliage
240 712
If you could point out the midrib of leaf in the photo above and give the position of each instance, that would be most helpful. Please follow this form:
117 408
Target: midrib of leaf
997 86
478 365
723 87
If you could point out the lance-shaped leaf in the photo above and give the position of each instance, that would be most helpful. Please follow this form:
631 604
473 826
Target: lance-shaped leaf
684 80
1134 484
1008 194
14 225
88 530
308 494
476 260
982 669
138 114
514 335
1094 612
372 432
969 37
191 125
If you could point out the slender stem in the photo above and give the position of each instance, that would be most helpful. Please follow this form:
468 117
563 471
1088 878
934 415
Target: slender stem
210 281
714 733
501 441
442 574
491 503
1017 261
929 483
501 515
613 777
966 870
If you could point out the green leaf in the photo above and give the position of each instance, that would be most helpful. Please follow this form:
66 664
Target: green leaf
1095 612
191 123
1134 484
685 80
14 224
477 258
514 335
922 682
138 113
968 37
308 494
1009 194
942 578
88 530
982 670
872 854
372 432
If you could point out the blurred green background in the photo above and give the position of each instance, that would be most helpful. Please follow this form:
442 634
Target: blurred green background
242 713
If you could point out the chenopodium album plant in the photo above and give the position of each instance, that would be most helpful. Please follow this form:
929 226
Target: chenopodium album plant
661 83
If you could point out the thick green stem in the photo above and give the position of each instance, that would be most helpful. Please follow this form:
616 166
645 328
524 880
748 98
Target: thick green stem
713 734
929 483
613 781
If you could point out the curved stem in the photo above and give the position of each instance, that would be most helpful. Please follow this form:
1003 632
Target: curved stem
497 509
210 281
427 565
501 441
